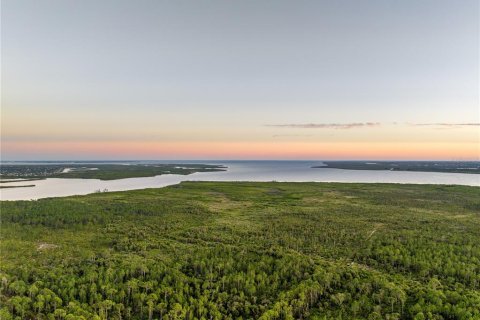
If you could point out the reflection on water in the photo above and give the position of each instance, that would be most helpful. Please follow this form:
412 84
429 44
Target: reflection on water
293 171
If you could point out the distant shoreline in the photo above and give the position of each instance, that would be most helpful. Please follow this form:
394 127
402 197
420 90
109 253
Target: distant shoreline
11 187
37 171
468 167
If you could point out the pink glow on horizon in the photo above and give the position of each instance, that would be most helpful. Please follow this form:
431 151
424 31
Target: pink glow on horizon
243 150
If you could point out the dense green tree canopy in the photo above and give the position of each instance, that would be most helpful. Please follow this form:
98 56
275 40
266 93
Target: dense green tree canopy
203 250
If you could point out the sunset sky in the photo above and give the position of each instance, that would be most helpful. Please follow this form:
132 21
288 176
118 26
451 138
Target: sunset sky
249 79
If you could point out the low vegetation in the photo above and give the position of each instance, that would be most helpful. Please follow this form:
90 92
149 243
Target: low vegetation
426 166
204 250
24 186
99 171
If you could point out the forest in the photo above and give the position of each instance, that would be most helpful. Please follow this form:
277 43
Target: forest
241 250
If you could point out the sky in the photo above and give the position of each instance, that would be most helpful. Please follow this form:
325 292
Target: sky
243 79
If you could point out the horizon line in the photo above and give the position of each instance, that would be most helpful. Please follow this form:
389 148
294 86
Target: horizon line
289 160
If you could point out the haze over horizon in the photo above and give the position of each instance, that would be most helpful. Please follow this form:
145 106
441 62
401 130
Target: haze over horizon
218 80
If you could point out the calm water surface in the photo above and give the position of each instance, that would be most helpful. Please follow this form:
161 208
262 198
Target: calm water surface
288 171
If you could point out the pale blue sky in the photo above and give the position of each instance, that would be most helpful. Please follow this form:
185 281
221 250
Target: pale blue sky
200 69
